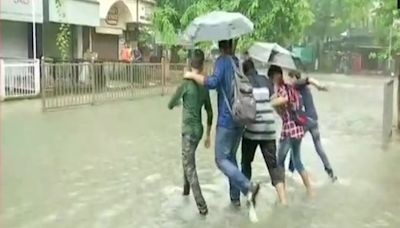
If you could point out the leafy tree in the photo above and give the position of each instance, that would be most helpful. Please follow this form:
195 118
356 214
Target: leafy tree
281 21
334 17
166 19
386 13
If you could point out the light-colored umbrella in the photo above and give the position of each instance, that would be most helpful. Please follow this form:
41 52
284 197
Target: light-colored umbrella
274 54
218 25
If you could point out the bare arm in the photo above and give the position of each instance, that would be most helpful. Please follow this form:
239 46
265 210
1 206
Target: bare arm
276 98
279 101
317 84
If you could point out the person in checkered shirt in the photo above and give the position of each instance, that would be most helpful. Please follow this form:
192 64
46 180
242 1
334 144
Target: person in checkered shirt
288 98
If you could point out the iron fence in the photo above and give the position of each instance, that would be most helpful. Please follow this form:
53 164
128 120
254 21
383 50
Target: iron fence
72 84
19 78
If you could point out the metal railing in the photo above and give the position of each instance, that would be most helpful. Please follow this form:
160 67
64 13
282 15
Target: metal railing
72 84
19 78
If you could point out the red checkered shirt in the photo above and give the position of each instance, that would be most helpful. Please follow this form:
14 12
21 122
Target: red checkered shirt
289 128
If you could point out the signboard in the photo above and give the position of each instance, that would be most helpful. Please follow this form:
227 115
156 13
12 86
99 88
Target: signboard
112 16
76 12
21 10
24 2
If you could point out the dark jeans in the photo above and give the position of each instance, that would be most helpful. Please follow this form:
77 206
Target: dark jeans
287 144
190 179
268 150
316 137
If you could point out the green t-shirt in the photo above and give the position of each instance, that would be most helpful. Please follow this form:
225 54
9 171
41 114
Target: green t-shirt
194 96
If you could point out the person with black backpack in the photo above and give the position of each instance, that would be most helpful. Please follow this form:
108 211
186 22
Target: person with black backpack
231 95
262 131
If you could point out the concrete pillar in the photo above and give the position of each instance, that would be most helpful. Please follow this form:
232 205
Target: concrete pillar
2 80
397 88
79 42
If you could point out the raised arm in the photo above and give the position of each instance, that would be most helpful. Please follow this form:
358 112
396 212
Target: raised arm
176 98
280 98
301 83
317 84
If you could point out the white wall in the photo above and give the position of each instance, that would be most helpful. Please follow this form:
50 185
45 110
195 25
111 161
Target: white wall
14 39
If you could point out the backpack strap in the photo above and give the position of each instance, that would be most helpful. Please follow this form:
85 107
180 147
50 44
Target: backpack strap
235 85
226 101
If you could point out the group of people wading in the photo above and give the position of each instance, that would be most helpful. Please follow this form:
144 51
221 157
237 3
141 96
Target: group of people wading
272 95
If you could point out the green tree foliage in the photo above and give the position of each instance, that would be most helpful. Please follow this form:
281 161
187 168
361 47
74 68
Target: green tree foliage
334 17
281 21
385 14
63 39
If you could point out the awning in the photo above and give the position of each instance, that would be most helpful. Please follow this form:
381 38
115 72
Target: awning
21 10
116 18
83 12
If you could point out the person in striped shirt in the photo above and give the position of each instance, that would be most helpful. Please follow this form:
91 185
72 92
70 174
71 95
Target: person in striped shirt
262 132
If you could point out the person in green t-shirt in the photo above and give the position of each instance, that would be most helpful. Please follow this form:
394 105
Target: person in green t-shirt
194 97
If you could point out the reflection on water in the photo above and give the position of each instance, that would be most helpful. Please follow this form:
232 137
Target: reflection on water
113 166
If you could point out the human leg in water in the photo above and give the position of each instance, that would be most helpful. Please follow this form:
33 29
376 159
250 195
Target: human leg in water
226 144
277 173
298 164
189 145
291 166
249 147
283 149
316 137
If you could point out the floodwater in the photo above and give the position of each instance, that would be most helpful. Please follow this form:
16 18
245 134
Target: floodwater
118 165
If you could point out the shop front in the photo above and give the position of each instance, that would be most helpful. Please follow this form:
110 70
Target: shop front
110 36
80 26
16 17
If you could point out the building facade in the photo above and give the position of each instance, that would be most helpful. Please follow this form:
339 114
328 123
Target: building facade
120 22
101 26
16 25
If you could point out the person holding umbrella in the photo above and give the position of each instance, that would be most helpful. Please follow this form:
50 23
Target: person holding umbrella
225 26
229 132
292 131
262 131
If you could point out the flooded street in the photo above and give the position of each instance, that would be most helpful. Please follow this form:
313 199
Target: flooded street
118 165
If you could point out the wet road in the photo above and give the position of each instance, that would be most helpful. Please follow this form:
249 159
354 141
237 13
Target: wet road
118 165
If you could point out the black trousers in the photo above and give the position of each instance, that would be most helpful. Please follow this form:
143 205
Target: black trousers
268 150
